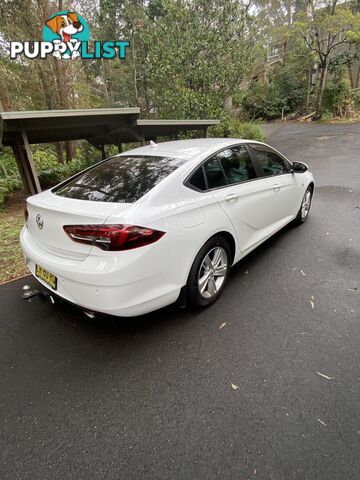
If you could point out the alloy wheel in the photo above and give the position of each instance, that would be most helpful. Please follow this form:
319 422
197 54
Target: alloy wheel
305 206
212 272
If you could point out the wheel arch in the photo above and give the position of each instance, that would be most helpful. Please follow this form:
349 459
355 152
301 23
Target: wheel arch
229 238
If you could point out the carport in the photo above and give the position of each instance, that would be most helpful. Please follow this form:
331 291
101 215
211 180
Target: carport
100 127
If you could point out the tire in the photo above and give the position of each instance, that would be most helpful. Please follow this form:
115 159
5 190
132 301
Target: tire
215 250
304 210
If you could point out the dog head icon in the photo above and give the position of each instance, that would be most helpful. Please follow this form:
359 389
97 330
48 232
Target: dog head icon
65 25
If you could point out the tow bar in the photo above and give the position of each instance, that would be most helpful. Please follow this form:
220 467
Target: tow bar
28 294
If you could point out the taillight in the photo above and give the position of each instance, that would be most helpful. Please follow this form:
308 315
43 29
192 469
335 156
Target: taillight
113 237
26 214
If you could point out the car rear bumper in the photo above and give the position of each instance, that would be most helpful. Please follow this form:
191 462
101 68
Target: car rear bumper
121 283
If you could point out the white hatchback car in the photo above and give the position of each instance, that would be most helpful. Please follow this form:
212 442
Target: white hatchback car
134 232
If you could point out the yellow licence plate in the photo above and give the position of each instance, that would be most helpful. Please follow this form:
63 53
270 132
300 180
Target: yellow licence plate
46 276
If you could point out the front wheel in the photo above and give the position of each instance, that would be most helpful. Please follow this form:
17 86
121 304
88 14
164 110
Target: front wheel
209 272
305 207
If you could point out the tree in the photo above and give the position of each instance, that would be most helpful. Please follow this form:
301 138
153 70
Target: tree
326 31
198 54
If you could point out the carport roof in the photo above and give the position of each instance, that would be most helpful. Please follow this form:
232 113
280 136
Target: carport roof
98 126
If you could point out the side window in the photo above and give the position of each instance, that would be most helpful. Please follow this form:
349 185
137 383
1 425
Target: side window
197 179
237 164
271 163
214 173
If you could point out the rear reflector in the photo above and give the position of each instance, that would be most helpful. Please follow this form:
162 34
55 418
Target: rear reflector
113 237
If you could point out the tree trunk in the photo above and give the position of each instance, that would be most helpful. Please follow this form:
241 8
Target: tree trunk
351 78
308 90
59 152
324 71
69 150
5 100
357 78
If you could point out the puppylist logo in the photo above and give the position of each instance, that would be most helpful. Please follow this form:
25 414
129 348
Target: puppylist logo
66 35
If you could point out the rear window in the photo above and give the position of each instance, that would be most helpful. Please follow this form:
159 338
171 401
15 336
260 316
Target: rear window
122 179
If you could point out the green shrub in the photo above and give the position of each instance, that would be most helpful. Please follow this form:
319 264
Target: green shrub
50 171
286 93
355 96
262 102
233 128
9 174
337 96
326 116
45 159
59 172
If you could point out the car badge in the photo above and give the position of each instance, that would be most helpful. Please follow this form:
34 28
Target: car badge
39 221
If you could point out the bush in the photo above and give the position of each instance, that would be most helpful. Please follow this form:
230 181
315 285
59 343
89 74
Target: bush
262 102
45 159
337 97
9 175
60 172
50 171
266 101
355 97
235 129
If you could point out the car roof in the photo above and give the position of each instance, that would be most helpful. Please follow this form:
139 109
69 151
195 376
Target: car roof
187 149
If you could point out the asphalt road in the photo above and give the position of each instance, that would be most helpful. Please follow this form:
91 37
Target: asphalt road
152 397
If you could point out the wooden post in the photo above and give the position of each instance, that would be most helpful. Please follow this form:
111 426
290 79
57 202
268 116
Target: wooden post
26 164
103 152
143 140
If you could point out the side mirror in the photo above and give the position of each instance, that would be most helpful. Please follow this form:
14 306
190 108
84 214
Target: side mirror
299 167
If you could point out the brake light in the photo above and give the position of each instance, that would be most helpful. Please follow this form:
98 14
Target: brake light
113 237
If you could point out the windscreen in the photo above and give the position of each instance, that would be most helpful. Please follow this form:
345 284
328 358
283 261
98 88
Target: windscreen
122 179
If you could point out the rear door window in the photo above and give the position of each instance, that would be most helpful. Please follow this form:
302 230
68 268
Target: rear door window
214 173
197 179
122 179
270 162
237 164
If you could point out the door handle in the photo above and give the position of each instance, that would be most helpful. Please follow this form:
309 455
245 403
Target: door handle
276 187
231 197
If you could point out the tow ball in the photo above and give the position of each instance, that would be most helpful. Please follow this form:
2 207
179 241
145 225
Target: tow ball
28 293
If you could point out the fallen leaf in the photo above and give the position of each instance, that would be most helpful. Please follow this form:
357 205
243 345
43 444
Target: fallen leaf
303 273
254 472
234 387
324 376
322 423
222 325
312 302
